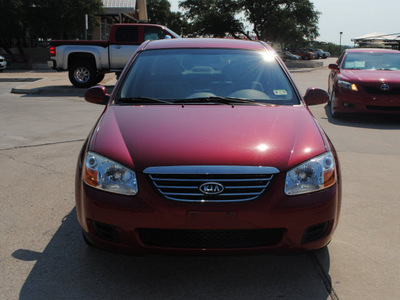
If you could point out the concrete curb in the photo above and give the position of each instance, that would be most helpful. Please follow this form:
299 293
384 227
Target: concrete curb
56 91
67 91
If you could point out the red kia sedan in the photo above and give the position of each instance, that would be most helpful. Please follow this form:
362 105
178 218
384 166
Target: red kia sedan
365 81
207 146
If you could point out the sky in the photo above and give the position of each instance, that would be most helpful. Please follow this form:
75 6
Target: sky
354 18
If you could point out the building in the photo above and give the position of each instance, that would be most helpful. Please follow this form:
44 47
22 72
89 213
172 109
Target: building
378 40
119 11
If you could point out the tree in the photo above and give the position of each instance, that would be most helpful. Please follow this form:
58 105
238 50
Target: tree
179 24
214 17
282 21
60 19
12 26
159 12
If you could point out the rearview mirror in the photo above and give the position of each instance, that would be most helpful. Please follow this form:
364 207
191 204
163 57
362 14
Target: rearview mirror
97 95
315 96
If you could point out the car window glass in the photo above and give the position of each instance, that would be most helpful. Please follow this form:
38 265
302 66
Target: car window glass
151 33
372 61
127 34
340 59
192 73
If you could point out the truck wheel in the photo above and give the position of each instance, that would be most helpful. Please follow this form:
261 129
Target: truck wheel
100 77
82 74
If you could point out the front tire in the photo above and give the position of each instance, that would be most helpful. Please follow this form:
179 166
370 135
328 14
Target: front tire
100 77
83 74
87 242
332 101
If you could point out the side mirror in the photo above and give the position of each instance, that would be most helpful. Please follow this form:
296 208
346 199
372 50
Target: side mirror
315 96
333 67
97 95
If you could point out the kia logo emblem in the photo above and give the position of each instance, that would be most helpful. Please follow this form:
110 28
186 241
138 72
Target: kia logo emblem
211 188
385 87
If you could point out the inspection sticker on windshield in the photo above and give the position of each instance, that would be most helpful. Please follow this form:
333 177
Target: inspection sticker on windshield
280 92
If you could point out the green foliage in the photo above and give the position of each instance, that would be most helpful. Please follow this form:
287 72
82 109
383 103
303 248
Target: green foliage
60 19
214 17
159 12
281 21
179 24
45 19
12 26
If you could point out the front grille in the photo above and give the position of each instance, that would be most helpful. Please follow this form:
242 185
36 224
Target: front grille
378 91
211 183
210 239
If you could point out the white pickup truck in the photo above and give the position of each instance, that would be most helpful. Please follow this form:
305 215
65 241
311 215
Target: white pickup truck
88 61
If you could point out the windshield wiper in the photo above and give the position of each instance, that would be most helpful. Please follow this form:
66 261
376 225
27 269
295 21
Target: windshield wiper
215 99
142 100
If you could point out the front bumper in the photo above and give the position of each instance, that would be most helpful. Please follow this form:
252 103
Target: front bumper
149 223
363 102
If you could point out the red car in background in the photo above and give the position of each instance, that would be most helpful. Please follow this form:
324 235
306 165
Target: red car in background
206 146
305 54
365 81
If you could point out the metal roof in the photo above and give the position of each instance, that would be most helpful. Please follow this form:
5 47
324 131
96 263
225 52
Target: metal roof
116 7
379 36
119 4
134 9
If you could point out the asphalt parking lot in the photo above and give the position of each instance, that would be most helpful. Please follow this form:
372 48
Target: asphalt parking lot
42 256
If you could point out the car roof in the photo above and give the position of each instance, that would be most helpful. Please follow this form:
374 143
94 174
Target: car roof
198 43
372 50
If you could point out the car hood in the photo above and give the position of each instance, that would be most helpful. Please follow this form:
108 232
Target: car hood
160 135
368 76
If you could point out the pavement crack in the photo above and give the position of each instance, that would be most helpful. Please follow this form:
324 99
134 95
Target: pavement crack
44 168
9 156
38 145
43 144
34 165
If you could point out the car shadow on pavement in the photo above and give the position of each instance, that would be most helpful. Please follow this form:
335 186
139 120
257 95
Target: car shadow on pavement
375 121
68 269
56 91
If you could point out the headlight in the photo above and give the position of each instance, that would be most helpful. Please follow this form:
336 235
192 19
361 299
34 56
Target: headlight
347 85
105 174
315 174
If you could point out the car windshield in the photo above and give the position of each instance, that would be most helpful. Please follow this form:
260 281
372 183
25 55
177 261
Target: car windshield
372 61
212 76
